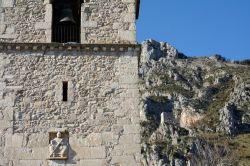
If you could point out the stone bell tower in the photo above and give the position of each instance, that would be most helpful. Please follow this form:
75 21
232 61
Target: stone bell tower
69 83
96 21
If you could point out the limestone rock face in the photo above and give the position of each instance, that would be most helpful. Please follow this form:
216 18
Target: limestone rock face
204 101
189 118
153 50
230 119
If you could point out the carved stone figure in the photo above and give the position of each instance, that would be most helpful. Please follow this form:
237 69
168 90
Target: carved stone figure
58 148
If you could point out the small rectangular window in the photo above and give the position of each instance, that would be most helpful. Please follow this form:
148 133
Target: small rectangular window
65 91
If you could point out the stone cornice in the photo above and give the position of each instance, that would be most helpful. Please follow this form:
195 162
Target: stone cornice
69 47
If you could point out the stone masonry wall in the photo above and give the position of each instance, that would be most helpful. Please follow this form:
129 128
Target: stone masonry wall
22 21
101 113
102 21
109 21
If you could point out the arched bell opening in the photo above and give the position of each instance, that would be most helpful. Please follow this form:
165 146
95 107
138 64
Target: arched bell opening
66 21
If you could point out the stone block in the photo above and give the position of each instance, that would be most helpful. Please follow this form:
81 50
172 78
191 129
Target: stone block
128 80
56 163
119 113
42 25
137 138
131 8
75 142
2 28
46 2
38 140
72 162
89 24
94 139
8 3
48 14
130 101
118 150
127 35
127 105
132 129
2 142
123 160
131 150
96 162
15 140
24 153
138 157
2 86
83 37
8 101
135 119
90 152
129 17
128 58
128 1
129 68
8 36
128 86
48 34
117 25
3 161
129 93
31 162
124 121
108 137
126 139
132 27
2 16
117 129
129 139
10 30
5 124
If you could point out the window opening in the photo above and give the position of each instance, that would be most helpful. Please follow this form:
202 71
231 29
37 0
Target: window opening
66 21
65 91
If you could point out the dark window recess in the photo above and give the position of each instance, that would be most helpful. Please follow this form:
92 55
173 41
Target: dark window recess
65 91
66 21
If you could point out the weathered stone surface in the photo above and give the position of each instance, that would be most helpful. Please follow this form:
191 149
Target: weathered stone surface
101 21
96 113
15 153
15 140
91 152
124 160
230 119
189 101
96 162
7 3
32 162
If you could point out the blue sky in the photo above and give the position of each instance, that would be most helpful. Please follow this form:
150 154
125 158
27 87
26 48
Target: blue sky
198 27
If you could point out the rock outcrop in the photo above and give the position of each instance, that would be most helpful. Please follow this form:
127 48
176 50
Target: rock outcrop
194 110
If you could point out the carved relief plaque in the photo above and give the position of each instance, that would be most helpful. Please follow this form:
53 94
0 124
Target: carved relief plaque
58 145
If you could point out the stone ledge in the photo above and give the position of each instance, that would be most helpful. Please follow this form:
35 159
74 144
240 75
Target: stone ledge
69 47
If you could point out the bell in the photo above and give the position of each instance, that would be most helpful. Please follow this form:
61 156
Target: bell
67 16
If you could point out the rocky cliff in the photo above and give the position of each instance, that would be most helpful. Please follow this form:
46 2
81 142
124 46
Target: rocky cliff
194 110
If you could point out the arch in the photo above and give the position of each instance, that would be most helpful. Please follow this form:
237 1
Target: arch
64 30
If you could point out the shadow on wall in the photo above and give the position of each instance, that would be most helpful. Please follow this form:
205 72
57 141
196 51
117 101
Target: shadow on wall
157 105
72 155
